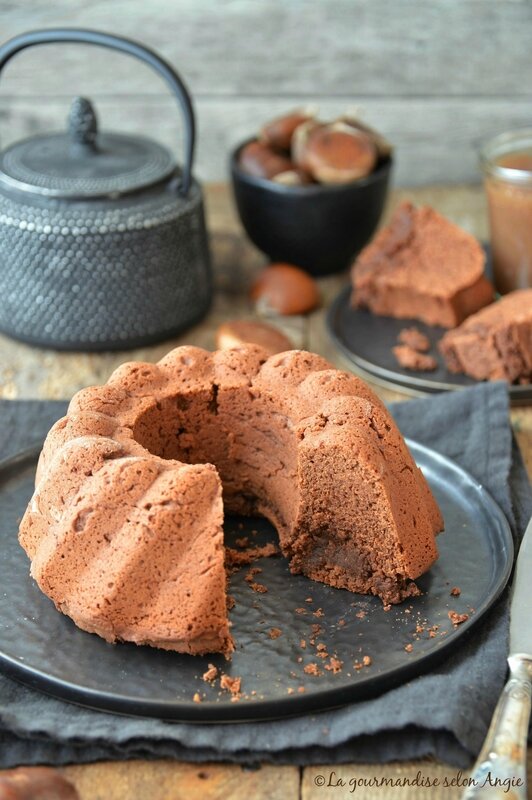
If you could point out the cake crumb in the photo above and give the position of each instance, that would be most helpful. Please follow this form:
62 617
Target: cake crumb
316 631
360 614
334 665
420 628
387 607
303 644
301 610
290 690
242 542
230 602
258 587
231 684
196 698
321 647
249 578
409 647
252 572
301 689
308 600
414 339
455 591
457 618
312 669
318 613
410 359
237 558
211 674
367 661
274 633
341 623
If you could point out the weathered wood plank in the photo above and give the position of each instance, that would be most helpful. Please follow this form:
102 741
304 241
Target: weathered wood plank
382 47
435 140
168 780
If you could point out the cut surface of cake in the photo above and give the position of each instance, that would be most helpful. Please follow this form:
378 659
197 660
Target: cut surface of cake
124 530
421 266
495 343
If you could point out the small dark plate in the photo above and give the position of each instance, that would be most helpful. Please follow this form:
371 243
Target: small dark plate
44 649
367 340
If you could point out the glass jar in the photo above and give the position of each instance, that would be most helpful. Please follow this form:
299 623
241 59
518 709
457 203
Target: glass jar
506 162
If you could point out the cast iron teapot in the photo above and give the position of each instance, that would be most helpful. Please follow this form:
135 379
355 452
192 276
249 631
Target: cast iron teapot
102 237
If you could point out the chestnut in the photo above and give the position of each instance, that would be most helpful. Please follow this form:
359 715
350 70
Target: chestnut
279 131
240 331
294 177
35 783
384 148
262 161
335 152
285 289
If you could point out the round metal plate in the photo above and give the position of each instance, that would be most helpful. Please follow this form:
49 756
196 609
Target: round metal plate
51 166
367 340
44 649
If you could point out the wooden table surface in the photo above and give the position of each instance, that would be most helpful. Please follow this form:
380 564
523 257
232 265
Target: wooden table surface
27 372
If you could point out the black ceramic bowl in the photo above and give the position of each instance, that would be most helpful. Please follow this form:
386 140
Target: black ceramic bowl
318 227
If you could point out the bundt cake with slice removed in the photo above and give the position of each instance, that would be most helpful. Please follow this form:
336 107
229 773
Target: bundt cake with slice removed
124 530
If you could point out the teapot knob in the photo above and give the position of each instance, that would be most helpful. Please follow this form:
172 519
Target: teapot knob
83 124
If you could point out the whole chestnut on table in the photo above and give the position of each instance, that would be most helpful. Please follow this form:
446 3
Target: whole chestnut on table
285 289
35 783
235 333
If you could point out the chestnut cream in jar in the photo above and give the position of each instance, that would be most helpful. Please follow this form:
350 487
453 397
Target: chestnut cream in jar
506 162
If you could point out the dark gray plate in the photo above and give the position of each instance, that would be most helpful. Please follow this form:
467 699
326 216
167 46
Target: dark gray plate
367 340
42 648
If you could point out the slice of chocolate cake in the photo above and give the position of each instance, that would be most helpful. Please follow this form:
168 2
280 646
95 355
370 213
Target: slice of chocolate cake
421 266
495 343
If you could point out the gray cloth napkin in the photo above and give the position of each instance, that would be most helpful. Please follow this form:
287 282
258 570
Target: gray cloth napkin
444 713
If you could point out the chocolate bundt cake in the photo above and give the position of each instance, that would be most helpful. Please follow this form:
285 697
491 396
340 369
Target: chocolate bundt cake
124 530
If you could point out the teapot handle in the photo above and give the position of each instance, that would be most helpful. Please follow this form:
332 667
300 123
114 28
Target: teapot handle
53 35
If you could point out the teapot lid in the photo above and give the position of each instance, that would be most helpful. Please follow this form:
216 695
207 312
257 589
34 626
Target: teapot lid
83 163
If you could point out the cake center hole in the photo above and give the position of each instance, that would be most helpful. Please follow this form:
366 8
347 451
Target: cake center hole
252 446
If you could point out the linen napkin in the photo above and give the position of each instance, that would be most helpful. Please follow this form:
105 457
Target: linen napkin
444 713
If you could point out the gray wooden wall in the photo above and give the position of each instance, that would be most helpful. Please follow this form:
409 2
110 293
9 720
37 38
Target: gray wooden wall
436 76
